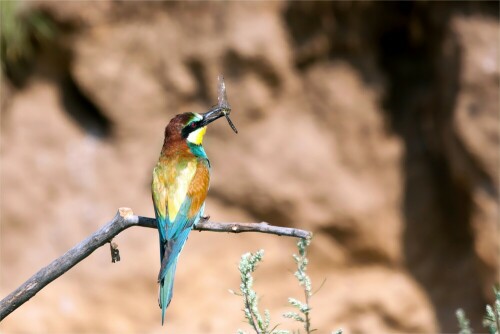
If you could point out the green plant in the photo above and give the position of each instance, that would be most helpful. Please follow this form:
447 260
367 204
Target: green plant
22 30
463 322
491 320
305 282
247 266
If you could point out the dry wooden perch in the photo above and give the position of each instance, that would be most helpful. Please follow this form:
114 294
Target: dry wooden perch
123 219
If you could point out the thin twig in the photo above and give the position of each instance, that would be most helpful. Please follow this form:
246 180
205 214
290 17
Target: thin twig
123 219
253 318
307 319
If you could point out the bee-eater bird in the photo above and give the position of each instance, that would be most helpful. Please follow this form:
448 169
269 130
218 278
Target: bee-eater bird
180 185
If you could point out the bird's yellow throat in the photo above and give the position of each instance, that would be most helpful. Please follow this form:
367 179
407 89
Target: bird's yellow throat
196 137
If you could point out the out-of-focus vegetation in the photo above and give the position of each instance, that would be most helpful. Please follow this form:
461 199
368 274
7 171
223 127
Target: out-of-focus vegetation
491 320
22 31
463 322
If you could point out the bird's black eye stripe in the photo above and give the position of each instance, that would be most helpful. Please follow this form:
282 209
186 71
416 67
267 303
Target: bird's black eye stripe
190 128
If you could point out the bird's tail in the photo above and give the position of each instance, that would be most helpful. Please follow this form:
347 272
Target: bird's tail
166 289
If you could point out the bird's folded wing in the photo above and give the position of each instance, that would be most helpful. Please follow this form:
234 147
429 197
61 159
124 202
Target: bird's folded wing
179 191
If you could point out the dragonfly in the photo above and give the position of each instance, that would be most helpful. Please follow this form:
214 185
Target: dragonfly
222 99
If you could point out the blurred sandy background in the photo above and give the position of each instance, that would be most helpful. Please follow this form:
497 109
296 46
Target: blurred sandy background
373 124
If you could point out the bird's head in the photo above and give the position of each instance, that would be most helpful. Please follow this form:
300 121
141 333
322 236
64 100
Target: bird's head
191 127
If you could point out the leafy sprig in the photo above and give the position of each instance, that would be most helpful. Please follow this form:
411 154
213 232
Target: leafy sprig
304 309
491 321
247 266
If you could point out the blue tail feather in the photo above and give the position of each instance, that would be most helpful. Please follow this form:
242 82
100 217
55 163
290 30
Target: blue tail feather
167 289
167 271
172 240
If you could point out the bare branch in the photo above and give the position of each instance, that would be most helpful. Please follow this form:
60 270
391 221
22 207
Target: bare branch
123 219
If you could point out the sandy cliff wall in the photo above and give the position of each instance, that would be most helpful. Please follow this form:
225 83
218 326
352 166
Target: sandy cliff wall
374 125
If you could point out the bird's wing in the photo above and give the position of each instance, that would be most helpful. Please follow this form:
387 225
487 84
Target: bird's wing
171 182
181 197
159 192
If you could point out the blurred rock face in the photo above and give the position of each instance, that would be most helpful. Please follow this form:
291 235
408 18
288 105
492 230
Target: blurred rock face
374 125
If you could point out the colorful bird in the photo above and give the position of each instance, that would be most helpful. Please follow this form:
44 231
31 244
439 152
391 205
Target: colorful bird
180 185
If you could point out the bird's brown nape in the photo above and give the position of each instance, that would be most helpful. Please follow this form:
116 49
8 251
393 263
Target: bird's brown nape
174 142
174 128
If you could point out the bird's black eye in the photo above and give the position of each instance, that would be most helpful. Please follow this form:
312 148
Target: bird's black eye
193 125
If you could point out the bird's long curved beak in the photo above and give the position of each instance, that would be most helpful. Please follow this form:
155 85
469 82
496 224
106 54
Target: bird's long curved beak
214 114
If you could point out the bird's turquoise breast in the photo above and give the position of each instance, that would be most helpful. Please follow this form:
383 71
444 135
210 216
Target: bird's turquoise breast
197 150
